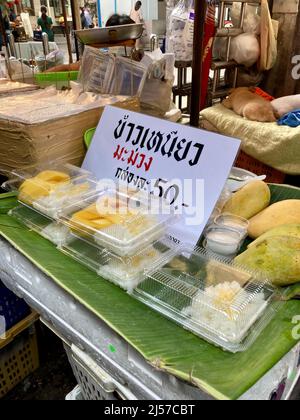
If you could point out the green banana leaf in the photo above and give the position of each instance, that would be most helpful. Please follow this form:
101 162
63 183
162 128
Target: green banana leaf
9 200
162 343
284 192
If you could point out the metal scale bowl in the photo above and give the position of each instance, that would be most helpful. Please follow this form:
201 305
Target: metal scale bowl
113 35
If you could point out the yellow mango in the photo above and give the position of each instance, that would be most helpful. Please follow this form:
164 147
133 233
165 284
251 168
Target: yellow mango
282 213
249 201
284 230
88 226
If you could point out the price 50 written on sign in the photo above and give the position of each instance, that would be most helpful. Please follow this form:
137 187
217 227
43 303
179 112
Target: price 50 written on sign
169 191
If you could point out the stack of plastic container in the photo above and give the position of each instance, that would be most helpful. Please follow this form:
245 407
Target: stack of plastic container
116 234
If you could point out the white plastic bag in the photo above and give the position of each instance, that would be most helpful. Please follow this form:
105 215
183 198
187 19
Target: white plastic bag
178 41
245 49
3 68
188 33
157 91
286 104
20 72
55 58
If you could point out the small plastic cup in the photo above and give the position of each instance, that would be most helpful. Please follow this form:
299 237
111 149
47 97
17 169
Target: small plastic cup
223 241
236 223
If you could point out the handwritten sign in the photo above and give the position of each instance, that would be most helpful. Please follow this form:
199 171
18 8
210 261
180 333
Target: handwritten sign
186 166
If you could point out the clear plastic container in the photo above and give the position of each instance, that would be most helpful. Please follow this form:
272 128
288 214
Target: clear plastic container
223 241
56 233
226 305
211 221
126 272
119 222
233 222
47 188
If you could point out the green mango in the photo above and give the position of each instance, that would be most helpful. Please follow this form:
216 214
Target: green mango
285 230
278 258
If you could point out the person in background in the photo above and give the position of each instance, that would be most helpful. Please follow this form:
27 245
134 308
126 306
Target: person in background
136 13
16 23
83 19
46 24
6 27
12 15
137 16
62 25
88 18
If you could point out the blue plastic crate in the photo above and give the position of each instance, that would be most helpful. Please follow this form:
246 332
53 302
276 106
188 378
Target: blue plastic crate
12 309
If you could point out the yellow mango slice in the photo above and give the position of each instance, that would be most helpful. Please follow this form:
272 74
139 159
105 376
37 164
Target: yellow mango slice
41 185
31 190
54 177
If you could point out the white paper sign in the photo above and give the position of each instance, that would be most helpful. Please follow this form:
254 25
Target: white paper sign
187 166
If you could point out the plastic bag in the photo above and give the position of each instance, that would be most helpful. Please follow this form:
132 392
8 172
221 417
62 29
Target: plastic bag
3 68
188 33
157 91
181 26
96 70
21 72
55 58
245 49
286 104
